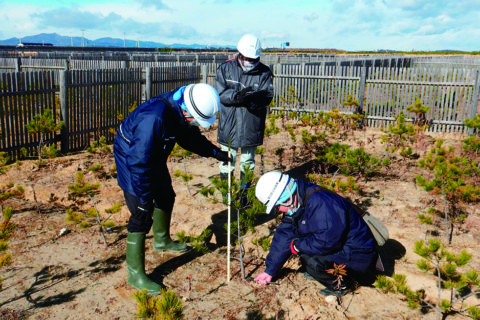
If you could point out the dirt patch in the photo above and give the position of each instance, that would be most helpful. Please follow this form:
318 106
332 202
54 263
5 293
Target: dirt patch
75 276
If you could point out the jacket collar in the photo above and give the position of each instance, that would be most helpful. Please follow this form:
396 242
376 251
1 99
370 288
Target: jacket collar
173 106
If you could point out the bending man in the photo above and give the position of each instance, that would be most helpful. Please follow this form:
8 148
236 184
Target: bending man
142 145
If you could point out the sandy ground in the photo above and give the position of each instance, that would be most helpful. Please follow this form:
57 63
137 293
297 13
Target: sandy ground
76 276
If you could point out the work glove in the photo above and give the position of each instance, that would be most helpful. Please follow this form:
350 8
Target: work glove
263 278
221 155
240 96
293 249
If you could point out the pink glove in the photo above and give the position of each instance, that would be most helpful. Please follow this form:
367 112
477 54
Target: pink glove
263 278
293 249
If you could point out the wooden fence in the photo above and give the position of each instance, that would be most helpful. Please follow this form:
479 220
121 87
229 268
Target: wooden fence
451 94
22 96
90 101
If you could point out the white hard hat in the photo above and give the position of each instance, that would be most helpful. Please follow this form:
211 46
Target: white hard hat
270 187
249 46
202 102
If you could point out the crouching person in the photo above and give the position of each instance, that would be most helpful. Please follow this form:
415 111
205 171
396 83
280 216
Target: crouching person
321 228
142 145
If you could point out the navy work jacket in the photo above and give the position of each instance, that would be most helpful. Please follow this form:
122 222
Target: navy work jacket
146 138
325 225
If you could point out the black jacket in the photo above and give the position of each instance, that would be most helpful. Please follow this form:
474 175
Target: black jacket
243 123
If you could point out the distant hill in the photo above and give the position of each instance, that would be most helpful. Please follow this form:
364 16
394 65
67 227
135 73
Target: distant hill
58 40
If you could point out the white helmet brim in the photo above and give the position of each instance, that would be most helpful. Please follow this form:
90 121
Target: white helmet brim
270 187
198 97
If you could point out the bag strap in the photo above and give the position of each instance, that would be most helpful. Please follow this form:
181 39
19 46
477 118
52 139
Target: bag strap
360 211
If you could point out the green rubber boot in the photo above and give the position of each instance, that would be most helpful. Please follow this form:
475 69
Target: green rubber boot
161 233
136 264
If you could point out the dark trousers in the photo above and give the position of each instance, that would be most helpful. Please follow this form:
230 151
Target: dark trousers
317 267
141 221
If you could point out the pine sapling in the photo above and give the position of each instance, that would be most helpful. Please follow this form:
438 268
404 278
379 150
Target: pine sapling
449 180
199 243
81 189
10 191
99 147
471 145
446 266
168 306
186 177
4 159
43 125
399 137
356 119
420 122
245 203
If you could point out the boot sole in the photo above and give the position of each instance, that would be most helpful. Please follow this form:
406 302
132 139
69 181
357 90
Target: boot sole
169 250
151 292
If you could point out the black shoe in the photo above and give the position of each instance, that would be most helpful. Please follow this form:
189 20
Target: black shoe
308 276
336 293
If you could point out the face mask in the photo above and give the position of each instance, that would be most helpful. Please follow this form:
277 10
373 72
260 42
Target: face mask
247 65
286 199
291 211
189 119
193 123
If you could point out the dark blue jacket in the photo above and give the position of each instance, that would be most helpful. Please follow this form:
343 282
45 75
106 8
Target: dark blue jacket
146 138
325 225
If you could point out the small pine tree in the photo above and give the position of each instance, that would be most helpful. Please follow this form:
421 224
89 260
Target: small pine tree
449 175
471 145
43 125
445 265
166 307
399 137
81 189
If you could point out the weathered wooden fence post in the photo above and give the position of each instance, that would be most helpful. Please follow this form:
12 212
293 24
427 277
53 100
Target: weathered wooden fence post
474 102
204 73
64 141
148 84
18 66
361 89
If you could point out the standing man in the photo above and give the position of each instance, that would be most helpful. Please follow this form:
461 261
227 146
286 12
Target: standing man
245 86
320 227
142 145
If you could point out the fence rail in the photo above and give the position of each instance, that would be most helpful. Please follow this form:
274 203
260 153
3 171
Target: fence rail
91 101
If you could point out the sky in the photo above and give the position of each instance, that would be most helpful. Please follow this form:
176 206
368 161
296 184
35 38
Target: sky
352 25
